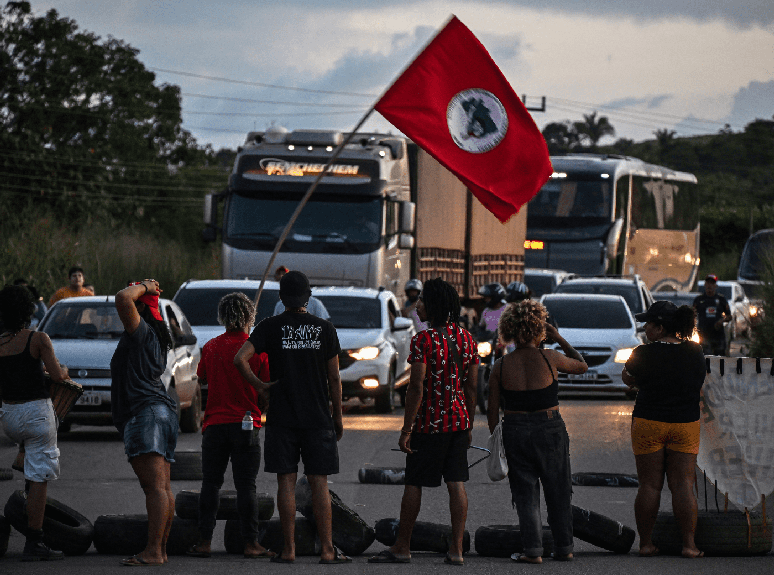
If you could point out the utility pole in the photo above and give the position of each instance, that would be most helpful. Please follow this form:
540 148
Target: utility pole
542 107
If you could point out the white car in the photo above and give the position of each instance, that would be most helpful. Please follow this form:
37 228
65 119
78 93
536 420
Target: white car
738 302
541 281
374 341
602 329
85 332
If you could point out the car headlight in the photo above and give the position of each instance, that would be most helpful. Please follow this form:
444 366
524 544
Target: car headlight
484 348
622 355
753 311
364 353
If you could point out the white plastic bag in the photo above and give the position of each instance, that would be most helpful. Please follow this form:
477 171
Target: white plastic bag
497 464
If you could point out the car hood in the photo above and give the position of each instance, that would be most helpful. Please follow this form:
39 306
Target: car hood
205 333
357 338
600 337
85 353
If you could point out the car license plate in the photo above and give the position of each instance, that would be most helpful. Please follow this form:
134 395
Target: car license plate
588 376
89 398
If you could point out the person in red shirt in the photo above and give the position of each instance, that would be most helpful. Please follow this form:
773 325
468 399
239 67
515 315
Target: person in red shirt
229 398
438 420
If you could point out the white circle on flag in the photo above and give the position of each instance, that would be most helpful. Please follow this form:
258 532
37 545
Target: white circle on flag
477 120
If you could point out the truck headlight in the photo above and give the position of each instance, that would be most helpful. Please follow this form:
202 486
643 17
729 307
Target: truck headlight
364 353
622 355
484 348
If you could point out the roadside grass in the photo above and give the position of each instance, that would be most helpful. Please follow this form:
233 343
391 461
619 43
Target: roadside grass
725 265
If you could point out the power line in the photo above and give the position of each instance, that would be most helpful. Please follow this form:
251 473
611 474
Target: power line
54 193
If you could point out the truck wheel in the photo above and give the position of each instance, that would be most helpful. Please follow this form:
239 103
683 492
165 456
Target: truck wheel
187 505
425 536
384 401
504 540
601 531
382 475
128 534
270 536
717 533
482 391
191 418
187 465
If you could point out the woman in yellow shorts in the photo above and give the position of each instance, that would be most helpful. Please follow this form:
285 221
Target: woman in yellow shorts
668 373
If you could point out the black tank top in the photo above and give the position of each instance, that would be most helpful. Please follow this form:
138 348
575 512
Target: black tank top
21 376
530 399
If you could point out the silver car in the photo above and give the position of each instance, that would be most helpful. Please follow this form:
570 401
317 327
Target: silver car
85 332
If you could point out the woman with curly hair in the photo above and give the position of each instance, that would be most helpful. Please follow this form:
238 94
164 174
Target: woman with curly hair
27 414
524 383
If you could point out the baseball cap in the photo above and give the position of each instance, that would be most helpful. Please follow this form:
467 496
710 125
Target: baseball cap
294 289
659 311
711 278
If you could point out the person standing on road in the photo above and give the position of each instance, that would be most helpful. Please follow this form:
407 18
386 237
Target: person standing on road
535 438
438 419
713 312
143 412
668 373
75 289
304 418
26 412
229 399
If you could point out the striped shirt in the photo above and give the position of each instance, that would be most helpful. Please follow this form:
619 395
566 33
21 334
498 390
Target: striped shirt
443 406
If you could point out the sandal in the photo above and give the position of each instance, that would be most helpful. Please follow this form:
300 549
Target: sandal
338 558
137 561
387 556
519 558
449 560
195 551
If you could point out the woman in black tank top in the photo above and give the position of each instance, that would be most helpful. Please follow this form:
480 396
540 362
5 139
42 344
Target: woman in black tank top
524 383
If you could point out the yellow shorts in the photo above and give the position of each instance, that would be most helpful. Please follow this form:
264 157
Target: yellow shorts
650 436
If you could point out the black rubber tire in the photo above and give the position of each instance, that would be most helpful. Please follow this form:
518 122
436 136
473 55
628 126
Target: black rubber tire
191 418
382 475
6 474
605 480
187 505
64 426
482 388
717 534
350 533
307 542
187 466
64 529
383 403
128 535
601 531
402 396
504 540
425 536
5 533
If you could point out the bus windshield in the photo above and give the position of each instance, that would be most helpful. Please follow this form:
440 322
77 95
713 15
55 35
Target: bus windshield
563 198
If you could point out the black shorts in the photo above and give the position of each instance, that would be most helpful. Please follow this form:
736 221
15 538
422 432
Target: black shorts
437 455
317 448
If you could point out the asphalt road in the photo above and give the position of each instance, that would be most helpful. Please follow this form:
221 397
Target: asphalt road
97 480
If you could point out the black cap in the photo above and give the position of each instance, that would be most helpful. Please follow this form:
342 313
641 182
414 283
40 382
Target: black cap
659 311
294 289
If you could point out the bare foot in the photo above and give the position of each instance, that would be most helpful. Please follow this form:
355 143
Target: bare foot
648 551
692 553
526 559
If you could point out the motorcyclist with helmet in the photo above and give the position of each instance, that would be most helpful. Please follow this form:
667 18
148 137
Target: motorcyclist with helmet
412 289
516 292
494 300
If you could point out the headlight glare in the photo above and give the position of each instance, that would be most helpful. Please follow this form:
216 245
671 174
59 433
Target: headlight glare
484 348
622 355
364 353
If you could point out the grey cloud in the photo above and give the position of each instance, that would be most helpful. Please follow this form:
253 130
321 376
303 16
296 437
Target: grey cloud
656 101
755 101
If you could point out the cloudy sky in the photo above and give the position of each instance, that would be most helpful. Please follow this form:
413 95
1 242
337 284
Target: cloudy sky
685 65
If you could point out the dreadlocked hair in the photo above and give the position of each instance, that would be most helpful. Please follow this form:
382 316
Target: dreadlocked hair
442 302
523 322
236 311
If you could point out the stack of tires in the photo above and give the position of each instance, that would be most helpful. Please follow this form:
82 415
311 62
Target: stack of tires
425 536
718 533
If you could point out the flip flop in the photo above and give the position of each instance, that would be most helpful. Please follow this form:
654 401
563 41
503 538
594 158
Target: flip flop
568 557
449 560
194 551
281 559
137 561
518 558
338 558
387 556
265 554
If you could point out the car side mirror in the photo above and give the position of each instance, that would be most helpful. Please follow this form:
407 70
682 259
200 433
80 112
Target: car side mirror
182 340
402 323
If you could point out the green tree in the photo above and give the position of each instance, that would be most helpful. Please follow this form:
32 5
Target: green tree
561 137
592 130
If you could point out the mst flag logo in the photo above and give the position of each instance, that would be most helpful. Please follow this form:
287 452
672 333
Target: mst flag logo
477 120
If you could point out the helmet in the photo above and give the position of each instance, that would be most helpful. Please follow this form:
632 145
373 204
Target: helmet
495 291
516 291
413 284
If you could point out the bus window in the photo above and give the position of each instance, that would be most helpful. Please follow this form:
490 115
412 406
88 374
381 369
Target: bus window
664 205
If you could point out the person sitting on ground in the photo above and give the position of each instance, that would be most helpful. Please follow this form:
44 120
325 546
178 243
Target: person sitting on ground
26 412
75 289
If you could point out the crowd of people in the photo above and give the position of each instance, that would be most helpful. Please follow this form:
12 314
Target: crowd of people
289 362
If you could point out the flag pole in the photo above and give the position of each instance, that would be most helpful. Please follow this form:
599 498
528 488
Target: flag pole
333 157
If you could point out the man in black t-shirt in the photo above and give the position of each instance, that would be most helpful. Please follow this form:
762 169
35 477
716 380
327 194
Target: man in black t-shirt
712 313
304 418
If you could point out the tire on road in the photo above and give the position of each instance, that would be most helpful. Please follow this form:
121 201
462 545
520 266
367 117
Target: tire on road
482 388
383 403
187 505
307 542
425 536
191 417
717 534
504 540
605 480
382 475
350 533
601 531
187 466
5 533
128 534
64 529
6 474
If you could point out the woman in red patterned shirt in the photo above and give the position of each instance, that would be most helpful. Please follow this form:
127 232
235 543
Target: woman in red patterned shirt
440 403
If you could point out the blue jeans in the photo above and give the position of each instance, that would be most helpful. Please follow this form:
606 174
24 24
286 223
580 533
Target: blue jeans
538 449
221 442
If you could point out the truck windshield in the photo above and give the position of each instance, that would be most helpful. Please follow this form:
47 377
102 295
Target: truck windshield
324 226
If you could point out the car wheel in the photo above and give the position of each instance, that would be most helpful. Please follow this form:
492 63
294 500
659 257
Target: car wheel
482 391
191 418
173 394
402 396
384 401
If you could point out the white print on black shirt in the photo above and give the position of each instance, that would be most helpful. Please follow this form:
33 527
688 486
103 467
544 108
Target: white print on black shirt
301 337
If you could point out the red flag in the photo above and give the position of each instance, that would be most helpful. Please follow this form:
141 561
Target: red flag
455 103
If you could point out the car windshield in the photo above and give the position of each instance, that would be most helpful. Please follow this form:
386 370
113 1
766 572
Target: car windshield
588 314
200 305
629 292
677 298
83 321
353 312
539 284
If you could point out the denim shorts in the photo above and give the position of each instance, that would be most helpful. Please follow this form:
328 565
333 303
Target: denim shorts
33 424
153 430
